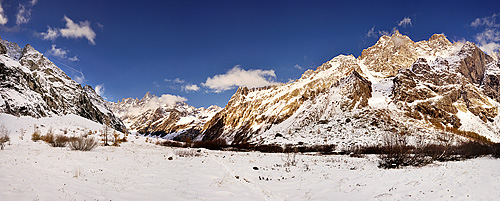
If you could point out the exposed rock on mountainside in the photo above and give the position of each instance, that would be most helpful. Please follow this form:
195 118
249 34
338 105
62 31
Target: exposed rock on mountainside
31 85
157 116
424 88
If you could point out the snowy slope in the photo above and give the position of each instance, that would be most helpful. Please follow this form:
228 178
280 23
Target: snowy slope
421 87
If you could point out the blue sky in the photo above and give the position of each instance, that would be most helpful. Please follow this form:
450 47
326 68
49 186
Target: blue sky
200 51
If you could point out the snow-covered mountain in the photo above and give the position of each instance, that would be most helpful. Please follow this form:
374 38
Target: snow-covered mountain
424 88
31 85
163 116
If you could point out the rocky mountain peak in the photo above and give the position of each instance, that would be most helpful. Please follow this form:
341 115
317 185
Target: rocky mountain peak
147 96
12 49
34 86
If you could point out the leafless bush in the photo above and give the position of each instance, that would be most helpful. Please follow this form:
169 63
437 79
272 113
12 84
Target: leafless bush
290 159
216 144
4 136
60 141
105 134
323 149
49 137
36 134
269 148
169 143
83 143
186 153
398 153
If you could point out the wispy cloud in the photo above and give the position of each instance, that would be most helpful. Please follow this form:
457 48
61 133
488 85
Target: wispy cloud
489 38
75 58
72 30
240 77
297 66
99 89
23 15
489 21
405 22
176 80
60 53
3 17
51 34
374 33
191 87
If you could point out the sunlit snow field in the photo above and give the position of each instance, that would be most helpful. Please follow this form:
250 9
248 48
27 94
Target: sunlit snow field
139 170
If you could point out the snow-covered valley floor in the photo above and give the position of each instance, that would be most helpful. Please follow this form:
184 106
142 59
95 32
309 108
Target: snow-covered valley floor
143 171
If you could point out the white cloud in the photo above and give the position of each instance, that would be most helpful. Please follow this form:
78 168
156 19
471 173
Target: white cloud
297 66
486 21
75 58
240 77
58 52
51 34
405 22
372 33
72 30
191 87
80 30
80 79
176 80
23 15
99 89
489 39
3 17
156 102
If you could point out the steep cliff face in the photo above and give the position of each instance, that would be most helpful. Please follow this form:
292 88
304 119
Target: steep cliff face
397 85
155 116
32 85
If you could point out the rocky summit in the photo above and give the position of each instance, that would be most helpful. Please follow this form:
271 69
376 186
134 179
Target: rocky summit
431 88
31 85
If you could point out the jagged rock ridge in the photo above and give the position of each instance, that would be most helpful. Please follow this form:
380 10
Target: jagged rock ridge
428 88
31 85
157 116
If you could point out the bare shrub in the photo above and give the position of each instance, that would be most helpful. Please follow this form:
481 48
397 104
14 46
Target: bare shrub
36 134
60 141
169 143
49 137
4 136
216 144
105 132
116 139
398 153
323 149
290 159
83 143
186 153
